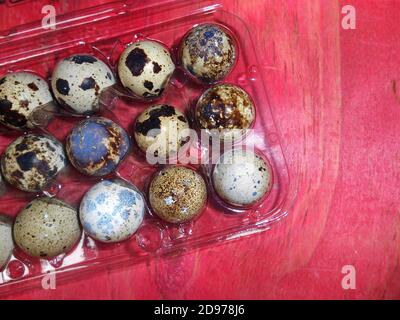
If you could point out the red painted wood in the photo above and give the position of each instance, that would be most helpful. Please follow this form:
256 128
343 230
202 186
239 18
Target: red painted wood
336 98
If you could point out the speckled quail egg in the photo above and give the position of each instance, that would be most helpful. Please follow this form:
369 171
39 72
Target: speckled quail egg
208 53
225 111
161 131
46 228
22 96
78 80
241 177
32 161
112 210
145 68
177 194
96 146
6 240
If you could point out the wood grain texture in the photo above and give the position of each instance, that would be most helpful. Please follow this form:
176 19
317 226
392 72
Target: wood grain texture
336 100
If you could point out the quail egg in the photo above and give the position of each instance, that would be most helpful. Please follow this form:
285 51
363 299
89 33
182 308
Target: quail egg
112 211
46 228
97 146
225 111
6 240
78 80
241 178
32 161
22 96
145 68
208 53
177 194
161 131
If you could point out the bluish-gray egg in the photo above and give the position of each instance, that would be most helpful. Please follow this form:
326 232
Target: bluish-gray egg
97 146
112 211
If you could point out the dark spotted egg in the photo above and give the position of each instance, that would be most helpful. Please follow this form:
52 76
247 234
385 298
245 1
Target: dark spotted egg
96 146
208 53
46 228
6 240
78 80
145 68
161 131
225 111
22 94
32 161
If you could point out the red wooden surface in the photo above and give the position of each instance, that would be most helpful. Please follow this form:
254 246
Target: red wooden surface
336 98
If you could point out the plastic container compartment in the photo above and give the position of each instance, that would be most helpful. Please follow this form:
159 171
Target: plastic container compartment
104 31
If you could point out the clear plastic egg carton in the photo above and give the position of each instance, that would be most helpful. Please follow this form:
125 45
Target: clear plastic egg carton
105 31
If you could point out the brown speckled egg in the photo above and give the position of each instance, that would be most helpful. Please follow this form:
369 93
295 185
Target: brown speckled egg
225 111
6 240
177 194
22 94
46 228
145 68
208 53
32 161
161 130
